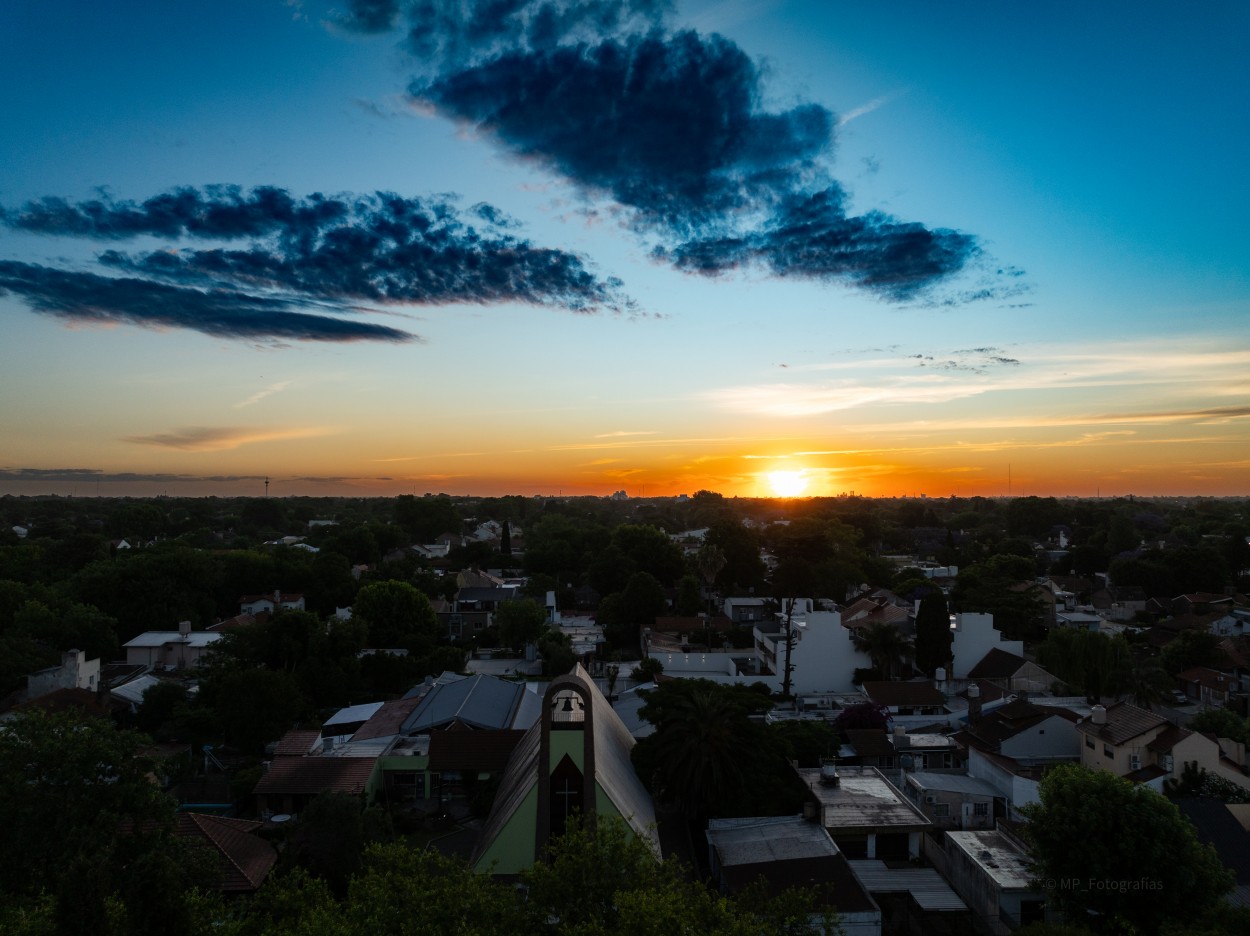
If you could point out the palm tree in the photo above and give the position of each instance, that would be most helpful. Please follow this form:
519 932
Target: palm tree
885 645
698 750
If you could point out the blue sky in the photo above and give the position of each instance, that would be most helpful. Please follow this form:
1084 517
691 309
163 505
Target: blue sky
1075 313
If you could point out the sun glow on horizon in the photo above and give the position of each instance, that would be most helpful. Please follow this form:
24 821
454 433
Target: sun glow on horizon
787 483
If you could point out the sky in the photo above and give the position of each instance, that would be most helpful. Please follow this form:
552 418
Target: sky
759 247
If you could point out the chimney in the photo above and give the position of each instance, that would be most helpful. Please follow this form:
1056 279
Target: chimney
974 702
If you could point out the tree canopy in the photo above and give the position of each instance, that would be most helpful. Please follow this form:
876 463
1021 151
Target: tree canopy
1105 846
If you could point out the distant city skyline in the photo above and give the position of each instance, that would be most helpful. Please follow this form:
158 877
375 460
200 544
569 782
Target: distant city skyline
371 248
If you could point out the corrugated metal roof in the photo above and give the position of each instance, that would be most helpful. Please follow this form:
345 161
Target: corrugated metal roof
353 714
160 638
478 701
134 690
925 885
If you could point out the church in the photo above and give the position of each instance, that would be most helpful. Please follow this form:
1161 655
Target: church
573 760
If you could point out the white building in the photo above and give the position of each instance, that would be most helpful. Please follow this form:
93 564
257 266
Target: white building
974 635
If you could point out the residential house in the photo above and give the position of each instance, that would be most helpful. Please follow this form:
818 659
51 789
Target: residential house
745 610
866 815
1012 672
180 649
952 800
1079 620
879 607
786 852
1203 603
291 783
1210 687
973 636
1146 748
1011 746
272 603
75 671
1120 602
992 872
1234 623
913 901
822 653
242 860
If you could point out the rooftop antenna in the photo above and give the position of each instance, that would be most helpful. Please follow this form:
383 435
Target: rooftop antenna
266 486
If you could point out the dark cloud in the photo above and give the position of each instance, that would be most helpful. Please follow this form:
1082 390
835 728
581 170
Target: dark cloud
370 16
670 125
380 248
89 297
96 475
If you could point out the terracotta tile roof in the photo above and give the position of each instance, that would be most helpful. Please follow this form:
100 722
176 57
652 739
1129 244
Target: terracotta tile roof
472 750
904 693
313 775
387 720
1209 679
1168 739
297 743
1124 721
245 859
997 664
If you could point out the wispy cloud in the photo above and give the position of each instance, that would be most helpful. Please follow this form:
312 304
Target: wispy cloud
219 438
856 112
931 378
262 394
623 434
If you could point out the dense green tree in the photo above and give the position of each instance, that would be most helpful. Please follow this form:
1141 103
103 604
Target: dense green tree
254 706
556 650
1221 722
397 615
689 596
84 825
740 546
694 758
993 587
610 570
520 622
426 518
651 550
1091 662
1191 648
1121 852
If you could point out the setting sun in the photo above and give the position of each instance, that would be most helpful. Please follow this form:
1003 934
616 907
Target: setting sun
787 483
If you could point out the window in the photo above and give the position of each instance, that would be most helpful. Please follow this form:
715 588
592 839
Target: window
1108 750
941 809
1089 743
980 809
